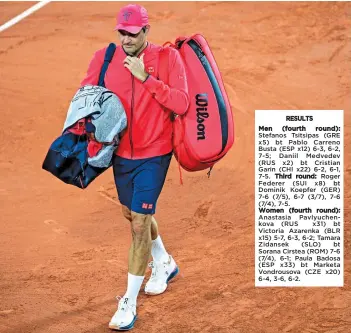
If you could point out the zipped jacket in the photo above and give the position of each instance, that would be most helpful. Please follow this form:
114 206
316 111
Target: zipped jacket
149 104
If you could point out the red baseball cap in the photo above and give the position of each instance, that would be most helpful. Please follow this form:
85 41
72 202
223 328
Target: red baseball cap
132 18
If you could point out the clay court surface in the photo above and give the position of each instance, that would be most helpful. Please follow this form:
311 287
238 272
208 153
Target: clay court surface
64 250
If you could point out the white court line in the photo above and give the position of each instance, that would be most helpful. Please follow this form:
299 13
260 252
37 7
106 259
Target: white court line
20 17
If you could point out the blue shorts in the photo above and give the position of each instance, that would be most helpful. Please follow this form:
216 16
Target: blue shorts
139 182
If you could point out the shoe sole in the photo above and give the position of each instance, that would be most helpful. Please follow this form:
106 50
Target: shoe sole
125 328
171 276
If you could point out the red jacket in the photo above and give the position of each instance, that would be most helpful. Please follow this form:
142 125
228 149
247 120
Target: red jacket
149 130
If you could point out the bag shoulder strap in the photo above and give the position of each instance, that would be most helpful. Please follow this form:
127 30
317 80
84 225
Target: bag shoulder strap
163 70
110 51
163 65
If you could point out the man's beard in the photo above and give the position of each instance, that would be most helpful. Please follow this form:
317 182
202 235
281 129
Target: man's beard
130 53
137 51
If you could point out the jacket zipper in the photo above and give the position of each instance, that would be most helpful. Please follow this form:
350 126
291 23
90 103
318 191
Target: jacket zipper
131 119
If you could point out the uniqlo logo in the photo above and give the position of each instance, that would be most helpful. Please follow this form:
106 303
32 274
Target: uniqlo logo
150 69
146 206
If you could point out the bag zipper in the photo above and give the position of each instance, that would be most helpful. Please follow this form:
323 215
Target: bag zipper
216 89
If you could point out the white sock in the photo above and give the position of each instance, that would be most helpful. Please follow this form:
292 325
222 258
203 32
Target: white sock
134 285
158 250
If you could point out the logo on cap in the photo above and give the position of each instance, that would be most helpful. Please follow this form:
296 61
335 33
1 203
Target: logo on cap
127 15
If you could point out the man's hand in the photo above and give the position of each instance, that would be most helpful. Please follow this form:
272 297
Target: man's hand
136 67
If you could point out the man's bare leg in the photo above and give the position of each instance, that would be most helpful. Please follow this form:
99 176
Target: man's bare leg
139 254
139 249
154 227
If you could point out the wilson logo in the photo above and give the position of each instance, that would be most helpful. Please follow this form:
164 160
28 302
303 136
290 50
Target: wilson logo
201 115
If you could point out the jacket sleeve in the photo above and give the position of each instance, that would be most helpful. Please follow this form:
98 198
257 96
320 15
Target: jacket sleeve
173 96
93 72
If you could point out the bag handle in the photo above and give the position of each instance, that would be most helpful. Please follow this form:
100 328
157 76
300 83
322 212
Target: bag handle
110 51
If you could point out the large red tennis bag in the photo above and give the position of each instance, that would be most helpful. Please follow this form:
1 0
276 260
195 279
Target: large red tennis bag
205 133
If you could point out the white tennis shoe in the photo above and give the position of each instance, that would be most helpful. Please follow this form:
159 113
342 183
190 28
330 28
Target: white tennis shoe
162 274
125 316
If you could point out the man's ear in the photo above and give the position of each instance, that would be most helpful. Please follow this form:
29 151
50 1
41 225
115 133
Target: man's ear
147 29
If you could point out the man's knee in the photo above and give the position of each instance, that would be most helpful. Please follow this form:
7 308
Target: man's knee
127 213
141 223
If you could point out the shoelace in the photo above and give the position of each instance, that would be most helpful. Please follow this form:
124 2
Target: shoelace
123 305
154 269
